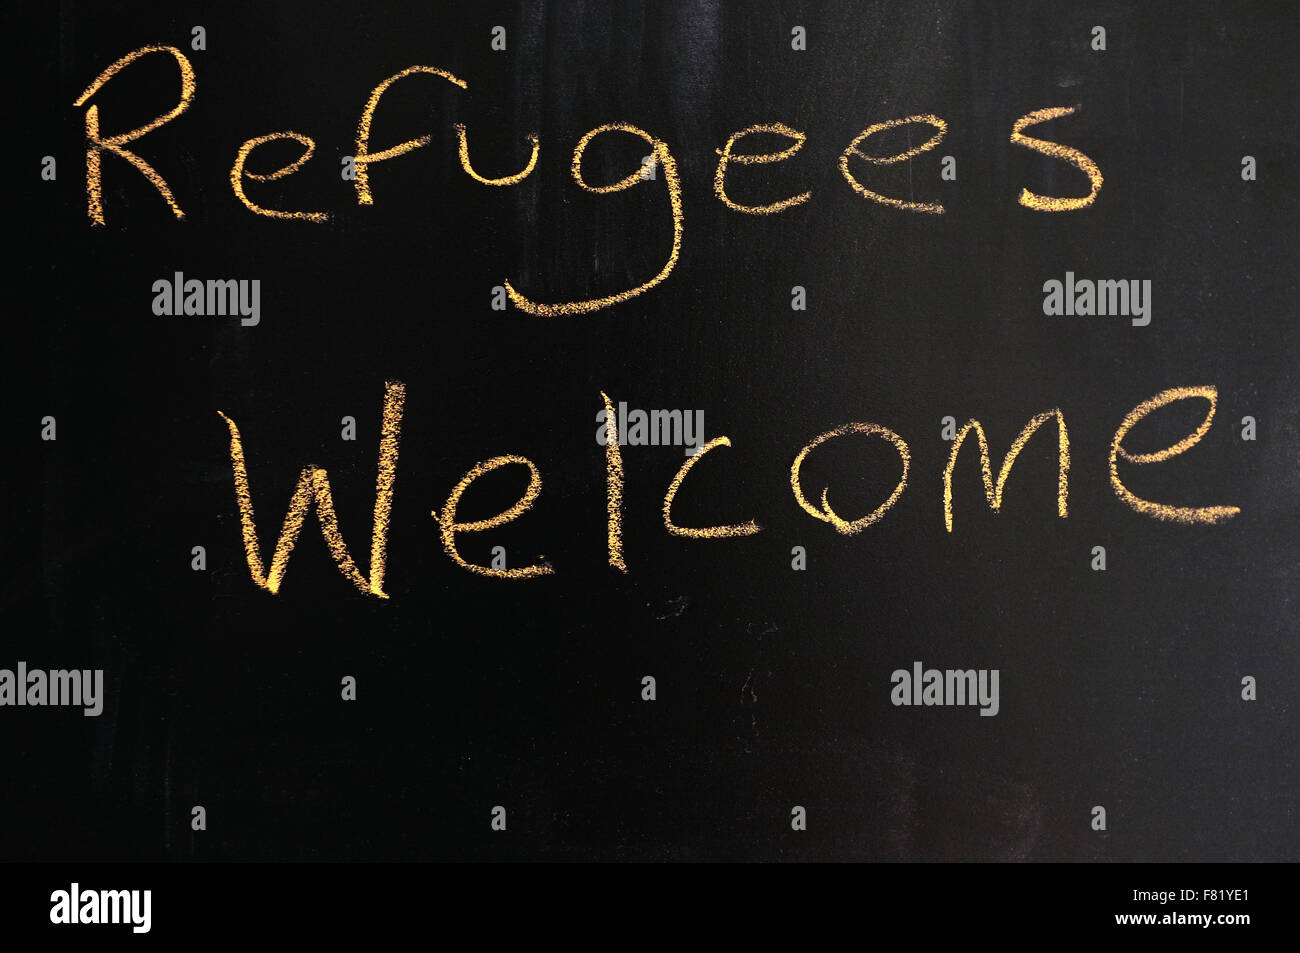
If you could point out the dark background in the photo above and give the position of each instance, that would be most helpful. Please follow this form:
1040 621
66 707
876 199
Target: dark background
1119 688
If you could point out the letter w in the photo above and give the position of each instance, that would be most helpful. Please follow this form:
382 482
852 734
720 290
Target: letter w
314 486
993 491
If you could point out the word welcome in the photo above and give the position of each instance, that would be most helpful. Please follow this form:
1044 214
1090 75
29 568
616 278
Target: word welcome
313 489
660 156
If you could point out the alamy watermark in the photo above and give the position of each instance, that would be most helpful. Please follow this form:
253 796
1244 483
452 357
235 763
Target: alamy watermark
74 905
60 687
654 428
216 297
932 686
1130 298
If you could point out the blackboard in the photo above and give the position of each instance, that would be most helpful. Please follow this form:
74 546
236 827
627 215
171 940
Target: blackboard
1160 688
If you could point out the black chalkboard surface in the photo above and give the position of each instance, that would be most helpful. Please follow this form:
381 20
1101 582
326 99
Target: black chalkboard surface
1085 218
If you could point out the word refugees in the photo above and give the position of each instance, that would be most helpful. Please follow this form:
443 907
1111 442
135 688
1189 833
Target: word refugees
660 156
